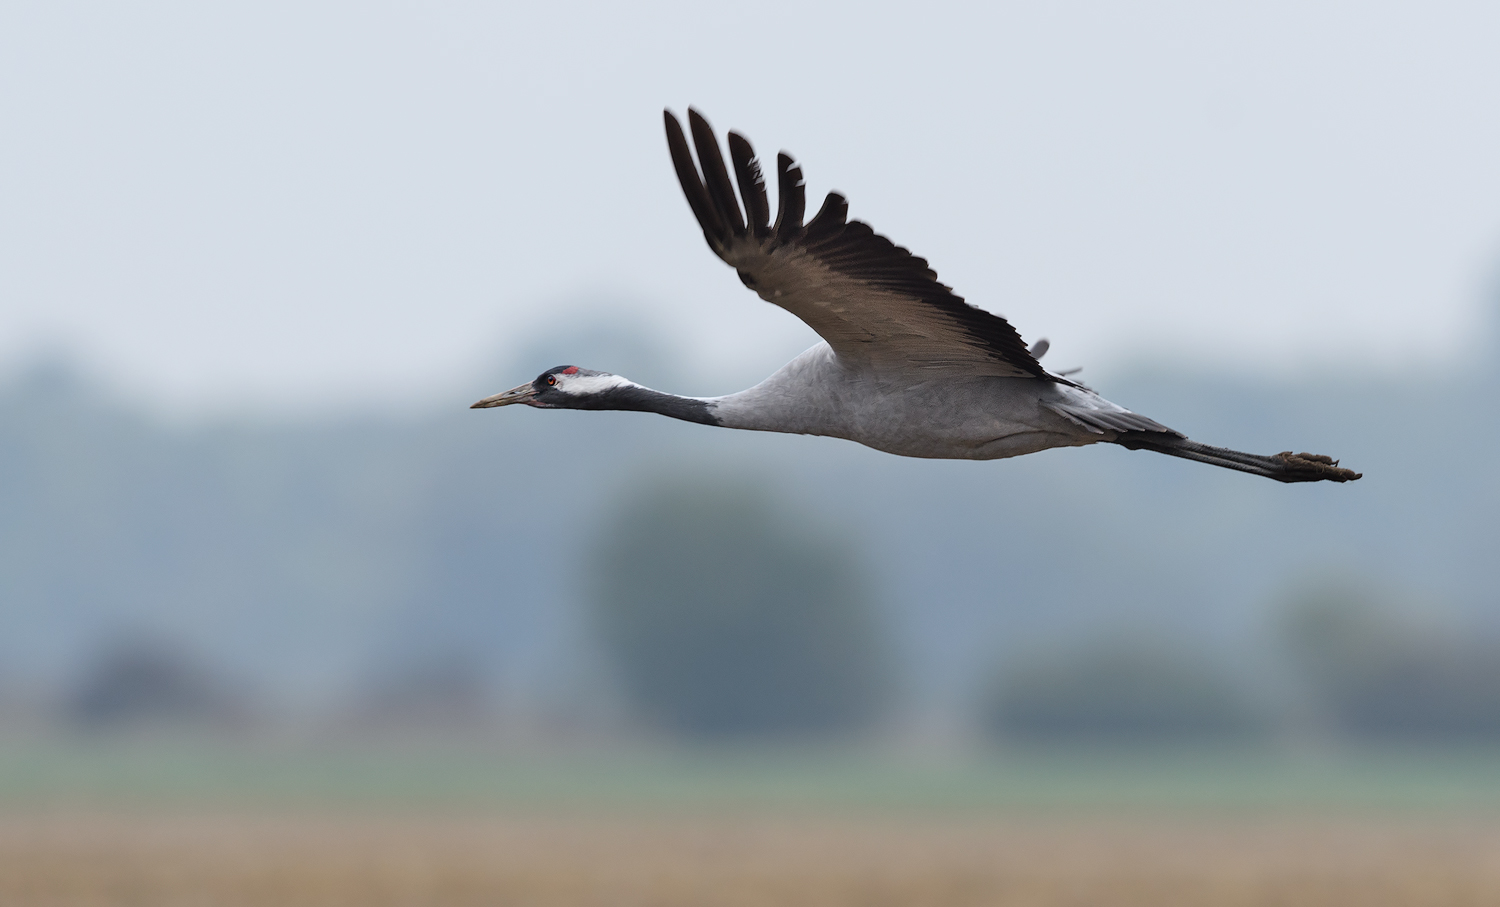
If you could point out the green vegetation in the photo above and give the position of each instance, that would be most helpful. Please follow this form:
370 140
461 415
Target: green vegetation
176 773
722 618
1376 669
1118 692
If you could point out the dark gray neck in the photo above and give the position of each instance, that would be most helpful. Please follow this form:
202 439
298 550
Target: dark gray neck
635 398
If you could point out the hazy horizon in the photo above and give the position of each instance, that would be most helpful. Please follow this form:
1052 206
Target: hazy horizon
269 206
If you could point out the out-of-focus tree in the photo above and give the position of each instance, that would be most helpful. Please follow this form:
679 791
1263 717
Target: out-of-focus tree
1376 669
723 617
1117 692
138 682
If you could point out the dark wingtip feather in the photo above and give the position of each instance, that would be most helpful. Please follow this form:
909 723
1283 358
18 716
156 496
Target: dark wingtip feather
791 199
752 184
830 218
851 248
715 174
687 176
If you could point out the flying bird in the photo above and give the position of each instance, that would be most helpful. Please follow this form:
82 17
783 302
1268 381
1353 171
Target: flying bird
905 365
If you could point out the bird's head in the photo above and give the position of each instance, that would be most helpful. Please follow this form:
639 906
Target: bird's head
563 387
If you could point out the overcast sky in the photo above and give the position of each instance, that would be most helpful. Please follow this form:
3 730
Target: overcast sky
312 203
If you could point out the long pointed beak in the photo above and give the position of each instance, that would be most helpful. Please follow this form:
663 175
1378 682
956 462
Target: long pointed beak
522 394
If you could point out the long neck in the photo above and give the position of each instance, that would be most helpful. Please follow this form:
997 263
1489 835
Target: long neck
635 398
804 397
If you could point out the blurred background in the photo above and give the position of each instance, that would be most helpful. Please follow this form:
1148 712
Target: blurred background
256 261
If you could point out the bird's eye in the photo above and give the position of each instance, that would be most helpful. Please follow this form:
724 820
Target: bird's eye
551 380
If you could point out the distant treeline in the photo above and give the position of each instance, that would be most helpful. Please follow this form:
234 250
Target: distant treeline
463 567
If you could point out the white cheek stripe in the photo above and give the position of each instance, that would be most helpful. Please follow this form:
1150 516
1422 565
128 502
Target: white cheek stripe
590 384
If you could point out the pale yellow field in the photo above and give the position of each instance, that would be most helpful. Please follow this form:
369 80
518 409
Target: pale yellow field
620 860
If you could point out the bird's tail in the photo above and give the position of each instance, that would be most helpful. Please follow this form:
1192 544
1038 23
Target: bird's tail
1283 467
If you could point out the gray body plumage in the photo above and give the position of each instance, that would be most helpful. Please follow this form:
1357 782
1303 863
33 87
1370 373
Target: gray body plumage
944 416
905 366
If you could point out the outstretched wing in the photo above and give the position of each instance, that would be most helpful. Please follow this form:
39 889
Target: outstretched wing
875 303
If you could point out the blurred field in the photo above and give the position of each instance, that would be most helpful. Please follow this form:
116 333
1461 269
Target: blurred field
612 859
164 822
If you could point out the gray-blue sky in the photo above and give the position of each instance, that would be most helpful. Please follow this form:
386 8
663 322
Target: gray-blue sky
312 202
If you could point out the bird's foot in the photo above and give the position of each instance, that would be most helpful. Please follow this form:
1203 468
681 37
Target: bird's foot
1310 467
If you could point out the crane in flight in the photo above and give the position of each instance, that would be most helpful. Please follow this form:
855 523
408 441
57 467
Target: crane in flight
905 365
